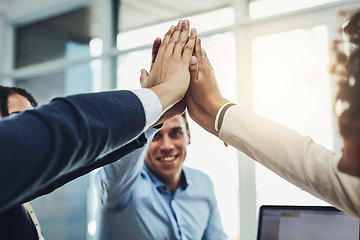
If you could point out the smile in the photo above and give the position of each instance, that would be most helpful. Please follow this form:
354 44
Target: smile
167 159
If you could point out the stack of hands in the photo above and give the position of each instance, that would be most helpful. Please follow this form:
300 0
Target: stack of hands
181 76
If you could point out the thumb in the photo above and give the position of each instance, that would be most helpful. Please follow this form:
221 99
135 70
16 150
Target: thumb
143 77
155 50
194 68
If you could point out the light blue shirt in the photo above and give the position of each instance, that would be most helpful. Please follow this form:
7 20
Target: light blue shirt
134 204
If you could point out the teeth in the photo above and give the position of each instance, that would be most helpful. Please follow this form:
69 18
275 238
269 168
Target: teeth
167 159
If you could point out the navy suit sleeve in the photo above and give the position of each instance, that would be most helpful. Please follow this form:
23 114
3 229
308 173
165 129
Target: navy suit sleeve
43 149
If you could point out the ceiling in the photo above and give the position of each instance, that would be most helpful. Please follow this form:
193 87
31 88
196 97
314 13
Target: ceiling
140 13
82 24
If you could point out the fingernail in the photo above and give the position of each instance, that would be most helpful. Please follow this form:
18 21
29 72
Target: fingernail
180 23
193 31
172 27
193 60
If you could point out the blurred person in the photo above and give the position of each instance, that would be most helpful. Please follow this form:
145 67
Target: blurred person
44 148
296 158
14 100
149 194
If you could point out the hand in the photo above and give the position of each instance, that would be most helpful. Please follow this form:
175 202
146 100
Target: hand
179 107
169 74
200 115
203 98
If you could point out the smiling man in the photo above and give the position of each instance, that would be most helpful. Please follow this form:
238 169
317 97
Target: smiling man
151 195
167 152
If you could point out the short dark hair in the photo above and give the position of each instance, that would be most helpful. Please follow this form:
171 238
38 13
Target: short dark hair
347 67
5 92
186 121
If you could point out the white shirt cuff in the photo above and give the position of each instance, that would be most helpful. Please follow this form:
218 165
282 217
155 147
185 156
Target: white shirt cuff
151 104
218 115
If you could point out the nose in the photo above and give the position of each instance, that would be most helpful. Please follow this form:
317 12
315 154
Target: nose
166 143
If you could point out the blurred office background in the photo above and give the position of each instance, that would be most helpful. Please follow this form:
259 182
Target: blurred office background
272 56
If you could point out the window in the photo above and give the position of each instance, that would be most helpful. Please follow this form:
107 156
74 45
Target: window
264 8
205 152
57 37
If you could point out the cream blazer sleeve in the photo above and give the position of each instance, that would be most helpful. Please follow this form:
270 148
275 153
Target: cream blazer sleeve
296 158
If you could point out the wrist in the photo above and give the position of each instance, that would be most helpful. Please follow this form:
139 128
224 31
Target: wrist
216 105
220 115
167 95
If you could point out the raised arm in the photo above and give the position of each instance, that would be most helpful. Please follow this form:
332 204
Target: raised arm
50 146
296 158
115 180
204 98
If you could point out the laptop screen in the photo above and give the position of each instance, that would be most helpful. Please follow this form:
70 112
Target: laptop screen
306 223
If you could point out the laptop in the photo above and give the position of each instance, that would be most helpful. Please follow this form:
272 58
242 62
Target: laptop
306 223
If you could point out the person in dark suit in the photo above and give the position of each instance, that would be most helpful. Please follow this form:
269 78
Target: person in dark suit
14 100
42 149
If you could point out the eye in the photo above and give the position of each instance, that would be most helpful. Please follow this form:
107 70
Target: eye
157 137
176 134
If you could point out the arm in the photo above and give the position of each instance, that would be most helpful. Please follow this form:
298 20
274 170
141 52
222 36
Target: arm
114 181
53 145
71 136
44 146
294 157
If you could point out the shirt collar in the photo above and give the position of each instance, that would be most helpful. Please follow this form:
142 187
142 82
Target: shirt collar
184 182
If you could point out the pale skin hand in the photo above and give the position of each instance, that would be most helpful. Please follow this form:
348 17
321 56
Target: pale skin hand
169 74
182 47
203 98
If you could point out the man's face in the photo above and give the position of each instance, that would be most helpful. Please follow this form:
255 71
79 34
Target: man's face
17 103
167 151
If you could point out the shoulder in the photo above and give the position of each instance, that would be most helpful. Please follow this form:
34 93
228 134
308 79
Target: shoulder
196 175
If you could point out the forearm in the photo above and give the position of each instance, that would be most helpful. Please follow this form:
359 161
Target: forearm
42 146
115 180
292 156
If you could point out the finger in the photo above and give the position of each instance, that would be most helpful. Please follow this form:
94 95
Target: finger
155 49
198 50
190 104
188 97
143 77
194 69
190 45
166 40
174 38
206 59
183 38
